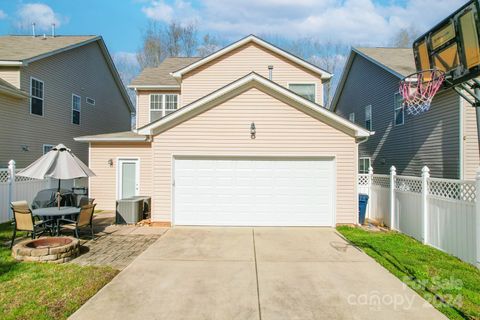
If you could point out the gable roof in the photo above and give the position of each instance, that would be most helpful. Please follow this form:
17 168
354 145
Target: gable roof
160 77
22 50
397 61
253 80
251 38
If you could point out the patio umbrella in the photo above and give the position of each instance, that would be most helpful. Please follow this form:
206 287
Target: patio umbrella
59 163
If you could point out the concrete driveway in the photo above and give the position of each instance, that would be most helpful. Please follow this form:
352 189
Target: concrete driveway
255 273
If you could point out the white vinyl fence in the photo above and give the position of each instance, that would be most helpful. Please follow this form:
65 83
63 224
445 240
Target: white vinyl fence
14 188
443 213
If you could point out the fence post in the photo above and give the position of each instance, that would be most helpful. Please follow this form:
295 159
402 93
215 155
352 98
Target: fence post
425 176
477 215
11 186
393 173
369 192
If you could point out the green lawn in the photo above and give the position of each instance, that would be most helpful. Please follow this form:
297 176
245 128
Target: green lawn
452 285
31 290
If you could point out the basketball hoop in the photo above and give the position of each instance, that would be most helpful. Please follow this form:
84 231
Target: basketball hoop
419 88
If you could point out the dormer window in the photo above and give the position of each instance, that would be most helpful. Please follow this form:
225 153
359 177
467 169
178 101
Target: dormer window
162 105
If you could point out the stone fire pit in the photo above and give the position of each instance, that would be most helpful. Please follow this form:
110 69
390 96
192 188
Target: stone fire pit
49 249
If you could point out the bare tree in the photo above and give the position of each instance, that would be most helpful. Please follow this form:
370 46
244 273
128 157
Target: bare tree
153 49
174 33
189 39
404 37
208 46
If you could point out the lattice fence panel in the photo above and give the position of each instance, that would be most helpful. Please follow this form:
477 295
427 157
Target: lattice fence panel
452 189
410 184
3 176
363 179
381 180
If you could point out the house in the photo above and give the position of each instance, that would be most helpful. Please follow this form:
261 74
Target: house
55 88
443 138
238 138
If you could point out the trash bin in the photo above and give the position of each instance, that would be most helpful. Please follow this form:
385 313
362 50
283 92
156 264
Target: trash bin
362 207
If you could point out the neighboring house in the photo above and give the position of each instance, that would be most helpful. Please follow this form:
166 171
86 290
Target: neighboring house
53 89
443 138
236 138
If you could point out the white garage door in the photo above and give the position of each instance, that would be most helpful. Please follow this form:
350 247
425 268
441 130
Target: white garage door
252 192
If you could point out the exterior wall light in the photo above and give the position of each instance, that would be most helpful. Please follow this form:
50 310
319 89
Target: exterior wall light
110 163
253 131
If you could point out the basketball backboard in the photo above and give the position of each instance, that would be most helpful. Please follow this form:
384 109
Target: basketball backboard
452 46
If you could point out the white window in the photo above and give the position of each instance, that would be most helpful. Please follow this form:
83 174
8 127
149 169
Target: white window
90 101
368 117
36 100
351 117
363 165
76 105
398 110
306 90
47 148
162 105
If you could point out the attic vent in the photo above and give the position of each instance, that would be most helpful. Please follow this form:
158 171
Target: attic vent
270 72
90 101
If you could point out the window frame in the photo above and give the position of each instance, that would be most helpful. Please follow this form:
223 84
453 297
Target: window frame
351 117
305 83
79 109
47 145
42 98
163 107
369 164
371 117
395 108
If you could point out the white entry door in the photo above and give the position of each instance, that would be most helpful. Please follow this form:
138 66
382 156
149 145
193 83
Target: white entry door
254 192
128 176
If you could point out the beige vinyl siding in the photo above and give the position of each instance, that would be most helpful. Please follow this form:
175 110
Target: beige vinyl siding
238 63
103 186
430 139
143 108
471 161
281 131
82 71
11 75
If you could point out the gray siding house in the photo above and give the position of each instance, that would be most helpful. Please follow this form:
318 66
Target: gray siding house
53 89
444 138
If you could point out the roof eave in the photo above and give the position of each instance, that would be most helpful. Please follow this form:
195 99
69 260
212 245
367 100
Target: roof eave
11 63
94 139
153 87
17 93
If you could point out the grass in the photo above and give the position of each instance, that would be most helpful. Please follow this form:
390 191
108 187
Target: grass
450 284
30 290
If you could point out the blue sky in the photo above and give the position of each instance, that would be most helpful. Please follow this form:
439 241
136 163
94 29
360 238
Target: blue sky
369 22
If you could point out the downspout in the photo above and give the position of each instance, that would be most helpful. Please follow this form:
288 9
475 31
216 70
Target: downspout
461 173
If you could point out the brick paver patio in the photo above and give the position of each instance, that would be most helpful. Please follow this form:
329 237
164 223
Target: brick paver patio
115 246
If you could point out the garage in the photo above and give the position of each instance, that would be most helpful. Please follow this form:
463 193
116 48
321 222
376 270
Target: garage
254 191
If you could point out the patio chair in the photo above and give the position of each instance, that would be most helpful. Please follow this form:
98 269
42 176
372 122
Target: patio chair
84 200
84 220
23 220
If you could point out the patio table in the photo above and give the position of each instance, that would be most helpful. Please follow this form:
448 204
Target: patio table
55 213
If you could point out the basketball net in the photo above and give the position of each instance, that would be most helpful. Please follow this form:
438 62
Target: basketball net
418 90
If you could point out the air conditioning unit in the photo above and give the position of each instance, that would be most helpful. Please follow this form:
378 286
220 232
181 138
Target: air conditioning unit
129 211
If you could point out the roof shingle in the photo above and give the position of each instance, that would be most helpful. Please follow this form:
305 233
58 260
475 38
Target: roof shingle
161 75
400 60
18 48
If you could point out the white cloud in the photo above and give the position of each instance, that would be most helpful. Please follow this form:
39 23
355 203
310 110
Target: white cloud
3 15
351 21
41 14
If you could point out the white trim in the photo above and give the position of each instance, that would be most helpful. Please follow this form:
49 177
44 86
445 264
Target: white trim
247 81
233 156
93 139
371 117
8 63
251 38
79 110
89 164
461 137
119 161
395 111
153 87
305 83
43 97
46 145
